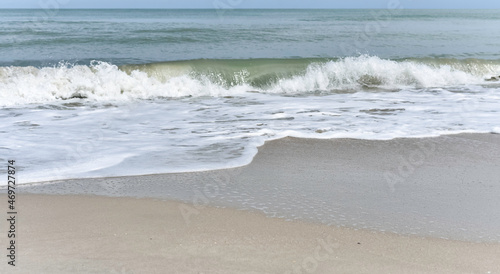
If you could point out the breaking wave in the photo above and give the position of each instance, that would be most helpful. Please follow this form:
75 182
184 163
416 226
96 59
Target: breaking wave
101 81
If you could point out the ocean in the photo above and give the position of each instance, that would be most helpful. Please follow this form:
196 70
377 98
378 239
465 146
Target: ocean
94 93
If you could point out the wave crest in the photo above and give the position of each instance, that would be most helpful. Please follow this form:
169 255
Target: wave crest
101 81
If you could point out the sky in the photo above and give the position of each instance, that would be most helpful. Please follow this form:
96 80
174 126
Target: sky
210 4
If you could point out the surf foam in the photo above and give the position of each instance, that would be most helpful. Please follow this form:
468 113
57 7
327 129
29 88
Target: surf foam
101 81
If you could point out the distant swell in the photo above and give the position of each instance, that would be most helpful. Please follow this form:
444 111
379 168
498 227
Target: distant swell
103 81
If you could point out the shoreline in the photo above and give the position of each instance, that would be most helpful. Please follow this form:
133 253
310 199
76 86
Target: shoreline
301 206
279 139
442 187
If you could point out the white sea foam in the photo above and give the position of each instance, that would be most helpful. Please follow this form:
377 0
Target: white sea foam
368 71
105 82
99 82
55 134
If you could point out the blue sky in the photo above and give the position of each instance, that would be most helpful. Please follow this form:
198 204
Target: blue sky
51 4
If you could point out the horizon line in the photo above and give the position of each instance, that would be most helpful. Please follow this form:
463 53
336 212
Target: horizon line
82 8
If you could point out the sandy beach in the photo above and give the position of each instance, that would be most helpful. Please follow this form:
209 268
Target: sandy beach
82 234
288 137
339 213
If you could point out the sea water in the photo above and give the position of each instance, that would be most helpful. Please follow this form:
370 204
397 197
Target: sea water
92 93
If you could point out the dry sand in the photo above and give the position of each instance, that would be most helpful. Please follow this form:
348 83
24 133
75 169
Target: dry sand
441 187
82 234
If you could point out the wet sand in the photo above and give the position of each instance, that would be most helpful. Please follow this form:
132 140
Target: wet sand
427 205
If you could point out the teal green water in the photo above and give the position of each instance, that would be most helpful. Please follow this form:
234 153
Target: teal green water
201 89
31 37
103 93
